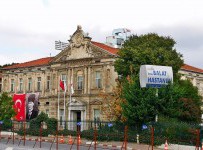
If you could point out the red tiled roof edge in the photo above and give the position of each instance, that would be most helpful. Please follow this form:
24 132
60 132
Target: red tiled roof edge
37 62
191 68
111 50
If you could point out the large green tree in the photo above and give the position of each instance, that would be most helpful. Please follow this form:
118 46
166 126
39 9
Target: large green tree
150 49
178 100
6 107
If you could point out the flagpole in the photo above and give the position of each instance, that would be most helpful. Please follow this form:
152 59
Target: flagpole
69 104
64 104
58 103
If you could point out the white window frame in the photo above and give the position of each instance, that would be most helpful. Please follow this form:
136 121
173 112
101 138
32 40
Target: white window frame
39 80
98 79
21 84
12 85
48 82
80 82
29 84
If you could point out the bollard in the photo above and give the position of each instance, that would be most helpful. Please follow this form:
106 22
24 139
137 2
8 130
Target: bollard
138 140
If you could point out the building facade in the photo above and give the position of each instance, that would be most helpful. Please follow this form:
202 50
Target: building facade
85 65
195 75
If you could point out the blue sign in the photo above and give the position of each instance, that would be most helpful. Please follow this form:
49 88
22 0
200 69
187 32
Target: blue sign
1 122
110 125
79 123
144 127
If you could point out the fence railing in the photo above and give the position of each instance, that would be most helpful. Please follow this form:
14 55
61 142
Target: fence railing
97 131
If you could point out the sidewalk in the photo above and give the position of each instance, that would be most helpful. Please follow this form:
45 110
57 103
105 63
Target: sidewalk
113 144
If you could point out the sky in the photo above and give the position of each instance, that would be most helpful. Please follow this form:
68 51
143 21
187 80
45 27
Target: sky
29 28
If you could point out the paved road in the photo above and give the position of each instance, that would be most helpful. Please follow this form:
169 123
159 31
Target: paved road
31 145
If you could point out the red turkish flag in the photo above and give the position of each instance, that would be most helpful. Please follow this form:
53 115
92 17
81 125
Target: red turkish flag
19 106
62 85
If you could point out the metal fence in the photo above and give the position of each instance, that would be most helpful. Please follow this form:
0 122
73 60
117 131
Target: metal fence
71 133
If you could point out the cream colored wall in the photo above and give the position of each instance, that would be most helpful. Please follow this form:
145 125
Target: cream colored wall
195 78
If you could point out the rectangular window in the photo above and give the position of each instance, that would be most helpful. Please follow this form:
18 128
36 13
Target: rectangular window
97 114
48 82
80 82
63 77
29 84
12 85
39 84
21 84
47 112
98 79
61 113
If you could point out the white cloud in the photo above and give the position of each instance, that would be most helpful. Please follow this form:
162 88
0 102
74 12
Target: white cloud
33 26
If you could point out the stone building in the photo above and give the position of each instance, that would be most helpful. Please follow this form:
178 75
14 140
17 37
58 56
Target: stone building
195 75
85 64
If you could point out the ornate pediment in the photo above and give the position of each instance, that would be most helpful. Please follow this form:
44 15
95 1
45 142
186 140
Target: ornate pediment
80 47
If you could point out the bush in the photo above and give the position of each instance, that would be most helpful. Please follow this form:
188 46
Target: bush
7 125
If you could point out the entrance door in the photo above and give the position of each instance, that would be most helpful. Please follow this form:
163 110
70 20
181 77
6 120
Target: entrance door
78 120
78 116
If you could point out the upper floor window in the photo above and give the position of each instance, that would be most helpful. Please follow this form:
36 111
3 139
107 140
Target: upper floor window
21 84
98 79
63 77
48 82
39 84
80 82
47 112
29 84
12 85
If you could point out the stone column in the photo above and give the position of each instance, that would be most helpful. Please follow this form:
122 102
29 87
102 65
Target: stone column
89 80
85 80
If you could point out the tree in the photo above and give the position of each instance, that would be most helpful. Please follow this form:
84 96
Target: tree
6 107
141 104
111 107
147 49
180 100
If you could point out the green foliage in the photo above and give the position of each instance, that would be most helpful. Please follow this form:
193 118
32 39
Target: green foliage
6 107
7 125
150 49
35 125
140 104
180 100
175 131
51 125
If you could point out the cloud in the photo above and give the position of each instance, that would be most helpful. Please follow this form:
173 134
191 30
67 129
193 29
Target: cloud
188 37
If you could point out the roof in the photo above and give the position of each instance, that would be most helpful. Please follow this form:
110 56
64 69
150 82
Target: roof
191 68
106 47
38 62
